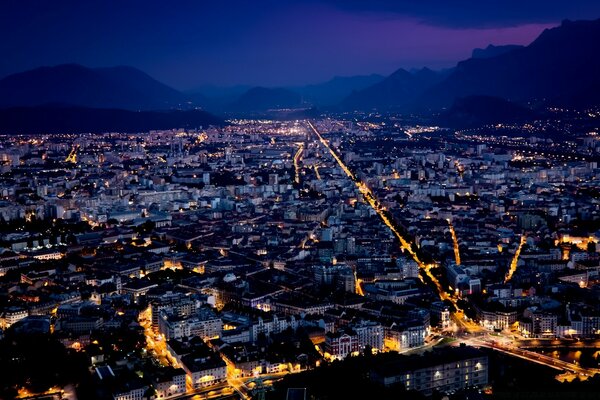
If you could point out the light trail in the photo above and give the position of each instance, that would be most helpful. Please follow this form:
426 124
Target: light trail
155 343
515 260
234 381
533 356
72 157
455 241
372 201
297 157
317 172
359 289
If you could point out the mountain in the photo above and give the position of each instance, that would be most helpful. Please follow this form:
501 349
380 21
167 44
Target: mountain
333 91
559 67
220 92
262 99
231 98
396 91
52 119
494 51
76 85
473 111
216 98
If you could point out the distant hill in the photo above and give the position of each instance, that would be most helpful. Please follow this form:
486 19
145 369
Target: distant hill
475 111
396 91
216 98
71 84
327 93
27 120
221 92
333 91
559 67
494 51
261 99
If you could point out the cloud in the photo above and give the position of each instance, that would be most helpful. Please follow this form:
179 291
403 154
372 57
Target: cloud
475 13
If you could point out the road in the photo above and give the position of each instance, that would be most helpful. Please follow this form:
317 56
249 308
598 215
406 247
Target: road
508 348
464 324
455 242
220 391
359 289
515 261
155 343
558 343
297 158
317 172
374 203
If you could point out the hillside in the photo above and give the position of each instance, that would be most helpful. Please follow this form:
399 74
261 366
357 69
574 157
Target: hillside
76 85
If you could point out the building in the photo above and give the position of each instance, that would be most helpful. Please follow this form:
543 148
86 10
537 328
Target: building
341 344
341 276
441 313
496 320
402 337
538 324
12 315
204 371
456 275
202 365
270 324
442 370
204 324
369 334
80 324
177 303
122 386
169 382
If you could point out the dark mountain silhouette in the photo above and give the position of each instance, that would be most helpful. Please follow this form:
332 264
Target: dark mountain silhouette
559 67
396 91
261 99
116 87
216 98
494 51
54 119
475 111
326 93
336 89
221 92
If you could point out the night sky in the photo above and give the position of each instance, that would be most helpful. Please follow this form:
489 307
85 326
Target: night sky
268 42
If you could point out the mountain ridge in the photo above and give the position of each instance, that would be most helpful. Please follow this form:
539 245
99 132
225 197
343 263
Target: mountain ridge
397 90
560 63
118 87
559 67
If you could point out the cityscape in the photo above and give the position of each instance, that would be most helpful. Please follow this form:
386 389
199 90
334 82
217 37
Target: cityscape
415 234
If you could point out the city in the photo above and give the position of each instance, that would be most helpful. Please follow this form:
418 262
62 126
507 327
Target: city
268 231
424 234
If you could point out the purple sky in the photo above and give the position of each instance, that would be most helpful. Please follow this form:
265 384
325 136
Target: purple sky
341 43
270 42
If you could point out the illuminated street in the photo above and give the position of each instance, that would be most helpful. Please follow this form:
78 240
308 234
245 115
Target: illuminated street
297 158
370 199
454 242
515 261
